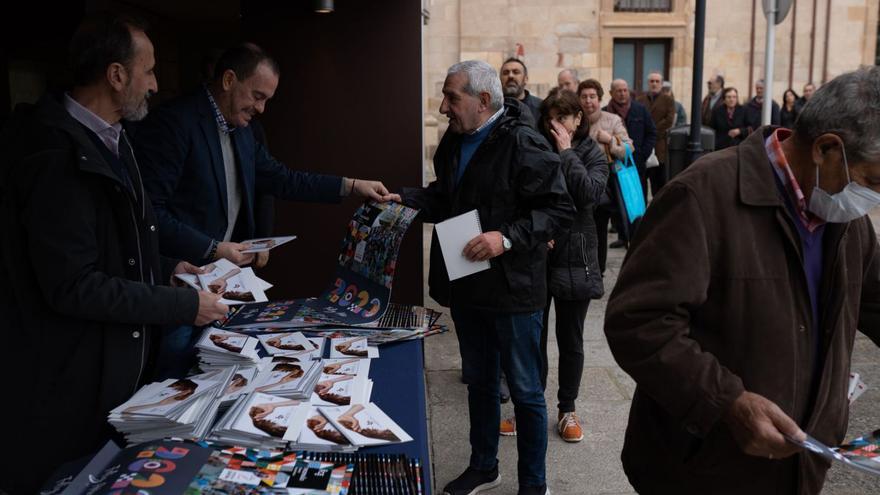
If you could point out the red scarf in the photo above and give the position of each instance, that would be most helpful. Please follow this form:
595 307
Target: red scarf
621 110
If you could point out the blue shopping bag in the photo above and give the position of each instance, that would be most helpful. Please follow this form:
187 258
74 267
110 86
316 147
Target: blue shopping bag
630 186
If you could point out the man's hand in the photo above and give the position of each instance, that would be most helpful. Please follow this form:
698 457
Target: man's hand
734 132
484 246
261 259
233 252
210 308
759 427
373 189
184 267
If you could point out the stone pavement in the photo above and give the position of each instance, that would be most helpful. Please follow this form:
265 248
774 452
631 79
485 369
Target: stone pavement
592 466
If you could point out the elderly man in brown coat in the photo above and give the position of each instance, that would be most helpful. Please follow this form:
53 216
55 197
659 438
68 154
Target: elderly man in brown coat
662 108
736 308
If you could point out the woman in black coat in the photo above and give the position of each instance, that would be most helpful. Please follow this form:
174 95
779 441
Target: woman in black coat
789 112
729 121
573 267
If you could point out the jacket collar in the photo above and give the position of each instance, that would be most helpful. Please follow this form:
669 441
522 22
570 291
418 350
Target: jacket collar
757 186
50 112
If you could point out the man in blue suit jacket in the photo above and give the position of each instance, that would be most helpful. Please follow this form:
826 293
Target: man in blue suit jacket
203 168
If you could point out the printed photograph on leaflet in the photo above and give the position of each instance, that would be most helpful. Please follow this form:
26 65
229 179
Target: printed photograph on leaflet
223 341
241 383
159 399
292 343
243 472
319 431
365 424
274 416
234 285
266 243
352 347
281 376
339 390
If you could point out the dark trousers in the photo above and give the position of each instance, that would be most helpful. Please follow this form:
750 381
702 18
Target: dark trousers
658 177
570 317
601 215
490 342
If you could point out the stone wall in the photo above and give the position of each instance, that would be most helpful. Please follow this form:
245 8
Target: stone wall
553 34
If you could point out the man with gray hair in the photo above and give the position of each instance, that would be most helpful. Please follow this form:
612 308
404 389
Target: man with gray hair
492 161
568 79
739 337
755 108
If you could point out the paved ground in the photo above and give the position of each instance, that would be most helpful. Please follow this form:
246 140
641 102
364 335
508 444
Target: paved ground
593 465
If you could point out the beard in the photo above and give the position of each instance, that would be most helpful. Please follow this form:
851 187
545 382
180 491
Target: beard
135 107
512 89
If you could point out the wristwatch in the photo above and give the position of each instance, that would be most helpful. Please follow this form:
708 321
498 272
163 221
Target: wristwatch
506 243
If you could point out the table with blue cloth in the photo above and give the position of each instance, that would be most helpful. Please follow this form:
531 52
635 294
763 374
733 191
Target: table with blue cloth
399 390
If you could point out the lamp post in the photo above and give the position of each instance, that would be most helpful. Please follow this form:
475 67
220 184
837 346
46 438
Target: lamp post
695 145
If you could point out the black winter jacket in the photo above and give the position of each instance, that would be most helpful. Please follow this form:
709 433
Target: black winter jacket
81 270
586 172
516 184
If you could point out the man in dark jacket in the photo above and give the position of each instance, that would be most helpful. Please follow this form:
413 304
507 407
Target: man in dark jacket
755 108
514 77
83 278
662 109
202 166
492 161
741 334
713 99
640 127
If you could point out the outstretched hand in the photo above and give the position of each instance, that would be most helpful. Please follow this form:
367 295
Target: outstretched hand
373 189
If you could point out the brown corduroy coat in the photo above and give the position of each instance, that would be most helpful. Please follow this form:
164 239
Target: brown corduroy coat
712 300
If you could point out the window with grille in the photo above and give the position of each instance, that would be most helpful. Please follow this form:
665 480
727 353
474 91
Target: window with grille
643 5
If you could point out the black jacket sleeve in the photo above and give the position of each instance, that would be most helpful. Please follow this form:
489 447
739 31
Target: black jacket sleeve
541 193
277 179
586 174
63 233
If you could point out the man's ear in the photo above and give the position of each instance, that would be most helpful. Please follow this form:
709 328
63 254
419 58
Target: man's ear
485 101
117 76
228 79
825 144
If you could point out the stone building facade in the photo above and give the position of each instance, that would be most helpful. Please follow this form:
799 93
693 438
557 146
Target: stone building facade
818 40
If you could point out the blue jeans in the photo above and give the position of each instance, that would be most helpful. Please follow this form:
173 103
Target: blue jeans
490 342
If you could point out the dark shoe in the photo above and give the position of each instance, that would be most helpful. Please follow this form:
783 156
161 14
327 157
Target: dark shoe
473 481
533 490
503 391
617 244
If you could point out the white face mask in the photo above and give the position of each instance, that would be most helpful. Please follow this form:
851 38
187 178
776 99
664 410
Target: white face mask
854 201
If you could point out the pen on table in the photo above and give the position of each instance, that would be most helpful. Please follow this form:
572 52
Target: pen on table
418 466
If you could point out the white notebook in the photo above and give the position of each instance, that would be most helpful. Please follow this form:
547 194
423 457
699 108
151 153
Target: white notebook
453 235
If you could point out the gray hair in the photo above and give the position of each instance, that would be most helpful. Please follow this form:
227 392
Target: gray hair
572 72
848 106
481 78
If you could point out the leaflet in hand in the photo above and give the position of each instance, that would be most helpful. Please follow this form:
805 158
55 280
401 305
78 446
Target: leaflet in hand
266 243
237 285
862 454
453 235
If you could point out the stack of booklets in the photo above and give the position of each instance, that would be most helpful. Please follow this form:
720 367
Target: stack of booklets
235 285
286 376
261 421
182 408
241 382
342 382
220 348
292 344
